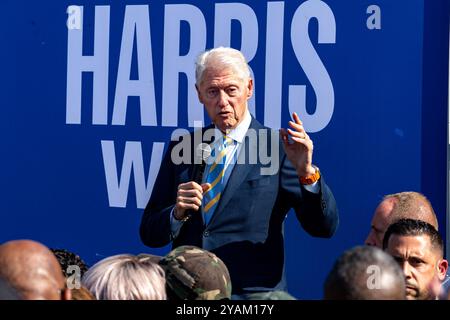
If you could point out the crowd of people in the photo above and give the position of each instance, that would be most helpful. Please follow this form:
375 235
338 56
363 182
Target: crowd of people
403 258
31 271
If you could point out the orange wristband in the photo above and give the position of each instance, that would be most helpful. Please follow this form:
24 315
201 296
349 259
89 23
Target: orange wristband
312 178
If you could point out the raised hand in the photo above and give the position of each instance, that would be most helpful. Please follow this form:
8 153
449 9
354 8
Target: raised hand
300 150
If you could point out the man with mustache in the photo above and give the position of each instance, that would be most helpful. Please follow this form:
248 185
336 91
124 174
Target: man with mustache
419 250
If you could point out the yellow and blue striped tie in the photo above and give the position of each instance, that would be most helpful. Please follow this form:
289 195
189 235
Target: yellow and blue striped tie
215 178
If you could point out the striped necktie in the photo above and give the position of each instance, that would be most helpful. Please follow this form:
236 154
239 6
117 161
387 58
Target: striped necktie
215 178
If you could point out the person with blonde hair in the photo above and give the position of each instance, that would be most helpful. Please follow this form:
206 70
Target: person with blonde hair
126 277
82 294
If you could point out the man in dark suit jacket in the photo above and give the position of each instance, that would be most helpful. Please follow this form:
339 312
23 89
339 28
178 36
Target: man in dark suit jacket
246 227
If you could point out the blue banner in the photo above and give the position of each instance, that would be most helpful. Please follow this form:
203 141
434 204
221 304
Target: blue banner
92 91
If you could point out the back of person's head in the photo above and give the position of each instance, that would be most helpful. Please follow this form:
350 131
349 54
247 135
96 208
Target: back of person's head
32 270
68 261
222 57
125 277
82 294
195 274
365 273
412 205
402 205
413 228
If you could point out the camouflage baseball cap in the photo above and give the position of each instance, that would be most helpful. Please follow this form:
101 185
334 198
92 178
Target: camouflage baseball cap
196 274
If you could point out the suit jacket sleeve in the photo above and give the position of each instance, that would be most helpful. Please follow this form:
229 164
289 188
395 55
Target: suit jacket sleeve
317 213
155 224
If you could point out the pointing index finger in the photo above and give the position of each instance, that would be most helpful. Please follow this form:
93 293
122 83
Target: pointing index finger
296 118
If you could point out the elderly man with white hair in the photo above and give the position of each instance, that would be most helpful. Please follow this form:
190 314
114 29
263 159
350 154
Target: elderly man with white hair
253 176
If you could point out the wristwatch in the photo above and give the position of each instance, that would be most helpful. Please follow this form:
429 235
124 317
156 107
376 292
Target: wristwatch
312 178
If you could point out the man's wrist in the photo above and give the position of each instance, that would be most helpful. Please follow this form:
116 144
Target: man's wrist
309 170
177 218
312 176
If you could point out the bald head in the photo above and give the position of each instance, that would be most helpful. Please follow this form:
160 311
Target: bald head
380 222
403 205
33 270
412 205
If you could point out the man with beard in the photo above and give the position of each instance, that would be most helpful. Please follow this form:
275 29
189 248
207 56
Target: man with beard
418 249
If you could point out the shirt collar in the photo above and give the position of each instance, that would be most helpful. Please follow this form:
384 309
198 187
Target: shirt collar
238 133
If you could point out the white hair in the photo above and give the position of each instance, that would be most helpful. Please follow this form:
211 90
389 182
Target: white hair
222 57
126 277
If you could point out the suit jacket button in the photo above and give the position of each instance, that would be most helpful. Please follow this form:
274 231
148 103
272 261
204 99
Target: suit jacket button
206 234
324 205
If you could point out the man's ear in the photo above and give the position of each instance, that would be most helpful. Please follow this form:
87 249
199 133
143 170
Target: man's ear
250 88
199 94
442 269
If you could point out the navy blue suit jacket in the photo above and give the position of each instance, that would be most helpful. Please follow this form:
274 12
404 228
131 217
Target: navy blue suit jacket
246 230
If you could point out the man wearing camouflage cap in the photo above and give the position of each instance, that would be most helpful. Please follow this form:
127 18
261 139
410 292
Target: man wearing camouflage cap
195 274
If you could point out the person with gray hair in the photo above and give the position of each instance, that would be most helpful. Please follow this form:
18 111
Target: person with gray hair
126 277
32 270
365 273
225 57
234 202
